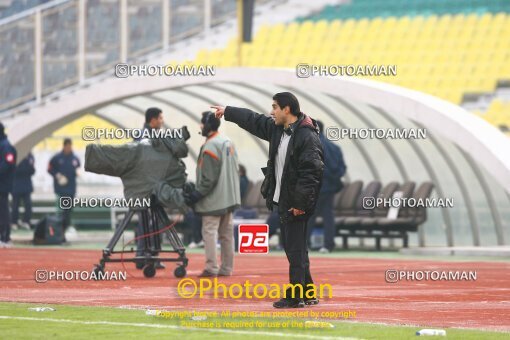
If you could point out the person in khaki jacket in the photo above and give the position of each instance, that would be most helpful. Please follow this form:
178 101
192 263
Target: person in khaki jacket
216 195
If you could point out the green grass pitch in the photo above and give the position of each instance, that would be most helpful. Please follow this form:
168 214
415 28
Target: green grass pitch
17 322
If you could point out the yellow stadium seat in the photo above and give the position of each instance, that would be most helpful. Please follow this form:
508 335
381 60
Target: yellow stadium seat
73 130
446 55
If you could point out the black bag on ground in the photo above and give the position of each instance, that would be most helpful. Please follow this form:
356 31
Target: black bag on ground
49 231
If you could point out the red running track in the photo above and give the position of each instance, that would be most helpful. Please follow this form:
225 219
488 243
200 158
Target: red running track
358 285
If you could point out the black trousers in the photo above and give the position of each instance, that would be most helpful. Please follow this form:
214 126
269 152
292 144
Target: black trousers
194 221
65 213
5 222
27 202
294 240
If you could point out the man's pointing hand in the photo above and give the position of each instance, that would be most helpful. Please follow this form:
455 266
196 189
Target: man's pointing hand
220 111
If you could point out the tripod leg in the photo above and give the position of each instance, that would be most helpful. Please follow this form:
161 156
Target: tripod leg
174 239
118 233
146 231
155 228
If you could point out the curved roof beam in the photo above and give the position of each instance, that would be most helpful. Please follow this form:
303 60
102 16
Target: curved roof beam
477 137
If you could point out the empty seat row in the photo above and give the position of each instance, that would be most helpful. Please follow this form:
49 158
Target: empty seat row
367 212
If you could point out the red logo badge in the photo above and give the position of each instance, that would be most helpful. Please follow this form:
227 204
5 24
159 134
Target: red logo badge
253 238
9 158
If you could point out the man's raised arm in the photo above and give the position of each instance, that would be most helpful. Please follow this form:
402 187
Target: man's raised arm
255 123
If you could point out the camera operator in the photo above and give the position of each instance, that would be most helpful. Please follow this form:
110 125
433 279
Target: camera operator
153 121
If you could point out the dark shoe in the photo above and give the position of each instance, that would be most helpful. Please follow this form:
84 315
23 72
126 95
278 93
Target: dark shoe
159 265
206 273
289 303
312 301
224 274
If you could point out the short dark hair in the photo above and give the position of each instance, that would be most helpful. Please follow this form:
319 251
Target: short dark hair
68 141
321 126
209 119
284 99
152 112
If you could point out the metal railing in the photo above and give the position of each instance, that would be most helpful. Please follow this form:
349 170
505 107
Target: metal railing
64 42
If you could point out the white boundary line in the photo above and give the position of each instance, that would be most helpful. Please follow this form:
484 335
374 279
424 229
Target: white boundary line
229 331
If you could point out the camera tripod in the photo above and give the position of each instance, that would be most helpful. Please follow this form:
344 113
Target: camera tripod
152 220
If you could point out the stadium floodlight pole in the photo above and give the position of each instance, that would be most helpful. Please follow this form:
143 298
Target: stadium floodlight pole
123 31
166 24
240 25
38 56
207 17
81 40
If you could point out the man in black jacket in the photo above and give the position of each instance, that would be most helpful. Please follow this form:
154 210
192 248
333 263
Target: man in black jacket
292 180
